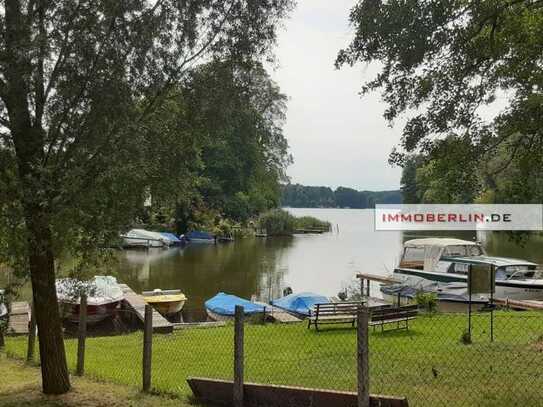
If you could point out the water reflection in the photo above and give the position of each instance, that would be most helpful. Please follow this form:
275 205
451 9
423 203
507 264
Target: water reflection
264 267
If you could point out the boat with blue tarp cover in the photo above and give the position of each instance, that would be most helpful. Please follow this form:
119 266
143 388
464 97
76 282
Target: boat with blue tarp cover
172 239
222 307
197 236
300 304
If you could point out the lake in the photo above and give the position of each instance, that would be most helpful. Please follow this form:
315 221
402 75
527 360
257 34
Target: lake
324 263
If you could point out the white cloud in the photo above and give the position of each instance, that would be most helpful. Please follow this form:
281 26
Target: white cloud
336 137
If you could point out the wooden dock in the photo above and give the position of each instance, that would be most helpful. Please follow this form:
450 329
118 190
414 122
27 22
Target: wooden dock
520 305
279 315
135 303
19 318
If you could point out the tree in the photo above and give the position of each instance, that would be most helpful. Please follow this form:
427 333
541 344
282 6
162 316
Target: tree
441 62
79 84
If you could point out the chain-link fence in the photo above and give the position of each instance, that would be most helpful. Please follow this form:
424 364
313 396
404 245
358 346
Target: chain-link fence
432 363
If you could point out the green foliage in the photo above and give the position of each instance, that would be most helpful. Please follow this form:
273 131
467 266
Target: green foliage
442 63
310 222
426 301
301 196
277 222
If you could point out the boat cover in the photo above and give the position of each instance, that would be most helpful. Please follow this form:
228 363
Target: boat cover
3 308
225 304
300 303
196 234
100 290
171 237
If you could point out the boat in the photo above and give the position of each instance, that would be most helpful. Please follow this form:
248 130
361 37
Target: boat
104 296
451 297
222 307
197 236
144 238
441 265
167 302
171 239
3 307
300 304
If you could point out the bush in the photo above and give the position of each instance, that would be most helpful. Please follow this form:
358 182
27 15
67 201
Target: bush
277 222
309 222
427 301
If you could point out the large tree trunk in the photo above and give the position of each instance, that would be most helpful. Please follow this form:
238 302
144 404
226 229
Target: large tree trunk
55 378
28 137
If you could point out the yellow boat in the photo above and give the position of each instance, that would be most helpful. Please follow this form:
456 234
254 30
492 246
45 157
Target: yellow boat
167 302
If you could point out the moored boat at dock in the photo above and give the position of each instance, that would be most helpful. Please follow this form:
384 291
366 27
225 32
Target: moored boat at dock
3 307
441 266
167 302
222 307
300 304
103 297
136 238
197 236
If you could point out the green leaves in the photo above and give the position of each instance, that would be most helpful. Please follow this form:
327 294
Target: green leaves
442 62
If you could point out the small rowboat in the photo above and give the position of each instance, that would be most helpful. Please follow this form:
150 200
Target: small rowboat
300 304
222 307
167 302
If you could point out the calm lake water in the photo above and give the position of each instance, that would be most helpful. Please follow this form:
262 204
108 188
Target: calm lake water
265 266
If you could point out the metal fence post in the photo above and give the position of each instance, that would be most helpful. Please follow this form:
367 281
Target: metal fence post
31 334
147 347
363 358
238 356
82 335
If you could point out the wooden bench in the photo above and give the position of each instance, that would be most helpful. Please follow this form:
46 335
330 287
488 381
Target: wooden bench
334 313
393 315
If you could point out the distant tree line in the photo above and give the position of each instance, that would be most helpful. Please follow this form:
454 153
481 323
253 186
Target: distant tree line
301 196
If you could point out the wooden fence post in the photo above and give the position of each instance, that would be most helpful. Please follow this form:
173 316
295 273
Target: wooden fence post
82 335
238 356
31 334
147 347
363 358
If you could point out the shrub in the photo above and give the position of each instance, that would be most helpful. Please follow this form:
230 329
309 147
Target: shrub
277 222
426 301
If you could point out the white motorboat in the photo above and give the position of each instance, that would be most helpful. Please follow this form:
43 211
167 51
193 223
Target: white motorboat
3 307
442 265
104 296
145 238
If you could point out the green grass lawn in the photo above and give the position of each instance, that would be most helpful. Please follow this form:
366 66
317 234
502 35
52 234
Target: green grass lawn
429 363
20 387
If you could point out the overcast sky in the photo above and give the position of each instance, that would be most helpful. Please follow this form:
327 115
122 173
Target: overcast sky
336 137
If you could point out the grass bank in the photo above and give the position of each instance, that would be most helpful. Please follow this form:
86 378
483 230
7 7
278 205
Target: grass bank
20 386
429 363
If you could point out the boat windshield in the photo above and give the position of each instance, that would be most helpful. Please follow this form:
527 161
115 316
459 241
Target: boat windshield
518 273
464 251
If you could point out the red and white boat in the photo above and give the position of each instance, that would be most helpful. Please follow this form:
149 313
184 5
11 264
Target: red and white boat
103 297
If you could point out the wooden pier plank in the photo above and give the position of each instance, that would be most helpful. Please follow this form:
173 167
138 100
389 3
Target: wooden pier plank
136 303
279 315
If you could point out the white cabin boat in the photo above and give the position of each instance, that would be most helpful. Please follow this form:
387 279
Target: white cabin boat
104 296
145 238
442 265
